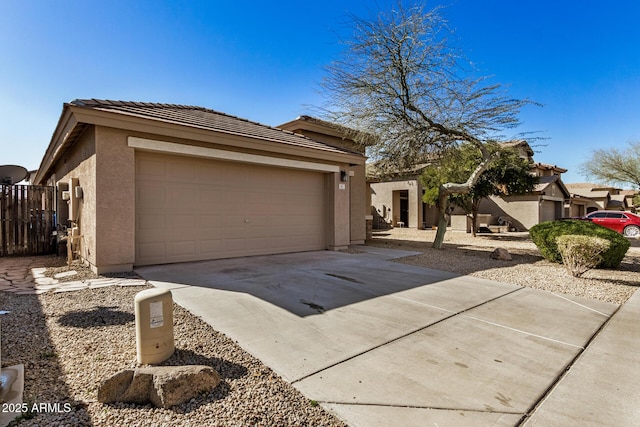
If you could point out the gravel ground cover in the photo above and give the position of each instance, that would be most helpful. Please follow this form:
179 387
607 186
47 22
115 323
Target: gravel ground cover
70 341
463 254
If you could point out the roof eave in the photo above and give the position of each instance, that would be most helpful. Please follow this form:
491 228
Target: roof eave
61 139
74 115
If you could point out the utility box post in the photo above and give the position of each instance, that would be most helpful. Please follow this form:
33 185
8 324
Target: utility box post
154 326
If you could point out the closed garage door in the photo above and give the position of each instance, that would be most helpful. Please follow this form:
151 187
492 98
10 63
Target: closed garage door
550 210
191 209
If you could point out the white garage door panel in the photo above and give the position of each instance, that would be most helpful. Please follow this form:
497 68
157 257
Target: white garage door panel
192 209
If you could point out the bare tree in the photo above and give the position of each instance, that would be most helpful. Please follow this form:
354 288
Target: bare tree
615 166
401 83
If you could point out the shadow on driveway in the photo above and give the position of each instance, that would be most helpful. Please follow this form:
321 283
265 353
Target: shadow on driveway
373 339
304 284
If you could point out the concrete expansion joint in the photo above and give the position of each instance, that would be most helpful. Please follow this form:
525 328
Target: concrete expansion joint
523 332
435 408
566 370
398 338
581 305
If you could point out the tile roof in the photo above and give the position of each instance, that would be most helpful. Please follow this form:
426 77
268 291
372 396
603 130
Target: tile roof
205 118
547 166
544 181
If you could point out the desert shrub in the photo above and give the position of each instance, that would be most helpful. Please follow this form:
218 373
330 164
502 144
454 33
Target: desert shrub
544 235
581 253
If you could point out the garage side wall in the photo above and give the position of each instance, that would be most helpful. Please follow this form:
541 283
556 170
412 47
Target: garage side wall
115 207
79 165
338 221
359 211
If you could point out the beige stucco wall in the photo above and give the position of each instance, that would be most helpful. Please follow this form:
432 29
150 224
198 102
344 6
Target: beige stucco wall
358 204
338 219
385 199
115 208
80 163
524 210
103 165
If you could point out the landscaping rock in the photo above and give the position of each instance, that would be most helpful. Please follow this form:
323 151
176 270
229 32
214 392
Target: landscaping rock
501 254
163 386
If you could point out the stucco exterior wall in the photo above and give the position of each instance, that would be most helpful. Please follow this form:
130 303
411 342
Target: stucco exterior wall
524 210
385 199
338 218
80 163
359 208
115 207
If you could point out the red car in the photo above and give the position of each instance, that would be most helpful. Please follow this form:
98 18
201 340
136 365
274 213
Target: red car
622 222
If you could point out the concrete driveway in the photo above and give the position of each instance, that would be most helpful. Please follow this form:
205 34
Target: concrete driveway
383 343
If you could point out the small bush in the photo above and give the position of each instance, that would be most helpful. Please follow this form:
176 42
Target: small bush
544 235
581 253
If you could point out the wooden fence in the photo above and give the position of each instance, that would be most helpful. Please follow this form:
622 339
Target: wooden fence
26 220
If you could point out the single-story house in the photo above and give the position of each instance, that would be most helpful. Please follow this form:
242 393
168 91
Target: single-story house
149 183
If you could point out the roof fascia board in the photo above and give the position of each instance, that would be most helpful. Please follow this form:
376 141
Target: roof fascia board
147 125
65 126
301 124
233 156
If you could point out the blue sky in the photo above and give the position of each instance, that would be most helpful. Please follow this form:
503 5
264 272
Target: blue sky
263 61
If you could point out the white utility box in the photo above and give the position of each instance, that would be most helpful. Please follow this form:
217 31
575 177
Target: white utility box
154 326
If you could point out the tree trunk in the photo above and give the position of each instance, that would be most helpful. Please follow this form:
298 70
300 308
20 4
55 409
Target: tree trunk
453 188
474 223
442 219
475 207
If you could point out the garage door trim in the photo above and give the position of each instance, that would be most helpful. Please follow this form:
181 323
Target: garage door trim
214 153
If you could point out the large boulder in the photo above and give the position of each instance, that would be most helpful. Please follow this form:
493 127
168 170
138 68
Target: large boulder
163 386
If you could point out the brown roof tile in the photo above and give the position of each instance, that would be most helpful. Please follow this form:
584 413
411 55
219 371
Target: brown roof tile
205 118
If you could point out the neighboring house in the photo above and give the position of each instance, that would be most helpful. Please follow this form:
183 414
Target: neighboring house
545 203
629 195
600 197
147 183
396 200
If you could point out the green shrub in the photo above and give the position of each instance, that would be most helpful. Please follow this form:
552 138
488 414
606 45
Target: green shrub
544 235
581 253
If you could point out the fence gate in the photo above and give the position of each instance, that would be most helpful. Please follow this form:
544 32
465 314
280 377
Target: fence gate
27 220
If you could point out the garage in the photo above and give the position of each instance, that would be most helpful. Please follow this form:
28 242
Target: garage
550 210
167 183
191 209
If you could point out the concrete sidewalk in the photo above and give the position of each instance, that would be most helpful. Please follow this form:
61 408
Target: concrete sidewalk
383 343
602 388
